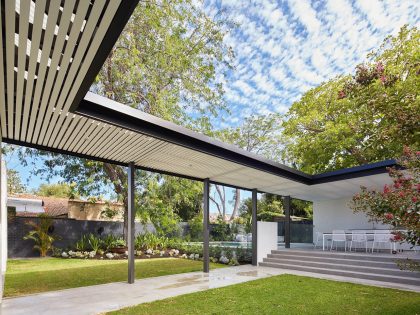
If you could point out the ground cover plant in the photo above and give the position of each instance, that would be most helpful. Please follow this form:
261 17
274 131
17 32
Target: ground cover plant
27 276
286 294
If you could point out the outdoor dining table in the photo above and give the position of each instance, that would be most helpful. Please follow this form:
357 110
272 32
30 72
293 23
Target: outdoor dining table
368 234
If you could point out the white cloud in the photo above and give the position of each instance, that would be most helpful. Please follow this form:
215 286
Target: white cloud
284 48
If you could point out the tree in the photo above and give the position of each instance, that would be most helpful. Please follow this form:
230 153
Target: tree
164 63
14 183
353 120
397 204
257 134
60 190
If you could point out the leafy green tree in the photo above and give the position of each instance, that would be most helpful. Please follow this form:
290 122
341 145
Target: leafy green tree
164 63
61 190
257 134
182 195
14 183
367 117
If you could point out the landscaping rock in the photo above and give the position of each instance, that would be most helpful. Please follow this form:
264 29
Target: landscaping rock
109 255
224 260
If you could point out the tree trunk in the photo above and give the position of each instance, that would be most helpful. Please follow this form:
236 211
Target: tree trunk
237 203
125 218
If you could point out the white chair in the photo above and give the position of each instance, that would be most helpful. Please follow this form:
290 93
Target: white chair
358 237
381 237
318 237
338 236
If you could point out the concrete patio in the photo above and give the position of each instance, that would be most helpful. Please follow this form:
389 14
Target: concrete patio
108 297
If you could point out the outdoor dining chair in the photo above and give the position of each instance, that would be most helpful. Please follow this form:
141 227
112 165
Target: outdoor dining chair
358 237
379 237
338 236
318 239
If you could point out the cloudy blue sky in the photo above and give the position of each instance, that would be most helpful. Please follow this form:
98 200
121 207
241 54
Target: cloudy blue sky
283 48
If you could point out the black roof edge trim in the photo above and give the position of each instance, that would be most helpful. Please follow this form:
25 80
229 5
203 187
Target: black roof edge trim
103 109
353 172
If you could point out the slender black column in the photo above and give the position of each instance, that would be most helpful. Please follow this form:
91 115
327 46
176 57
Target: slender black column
131 216
287 222
254 228
206 218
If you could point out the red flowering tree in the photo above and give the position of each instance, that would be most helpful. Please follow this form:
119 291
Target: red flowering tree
397 204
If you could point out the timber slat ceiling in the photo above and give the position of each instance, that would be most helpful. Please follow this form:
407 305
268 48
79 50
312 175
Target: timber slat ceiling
48 47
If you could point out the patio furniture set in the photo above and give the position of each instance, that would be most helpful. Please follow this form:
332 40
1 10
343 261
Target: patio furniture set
354 239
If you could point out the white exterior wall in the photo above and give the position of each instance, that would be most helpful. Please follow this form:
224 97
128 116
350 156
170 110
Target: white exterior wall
266 239
3 225
336 215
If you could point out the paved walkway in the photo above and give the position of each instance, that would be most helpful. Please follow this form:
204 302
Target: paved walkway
108 297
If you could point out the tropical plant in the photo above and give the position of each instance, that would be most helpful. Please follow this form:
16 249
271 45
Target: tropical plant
150 241
40 234
95 242
82 244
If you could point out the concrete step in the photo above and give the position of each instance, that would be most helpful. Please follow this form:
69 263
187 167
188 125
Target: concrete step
344 273
363 268
334 259
342 255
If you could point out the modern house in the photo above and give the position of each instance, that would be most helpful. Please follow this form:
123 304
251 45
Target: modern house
52 52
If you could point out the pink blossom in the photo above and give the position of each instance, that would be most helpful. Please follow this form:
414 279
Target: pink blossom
389 216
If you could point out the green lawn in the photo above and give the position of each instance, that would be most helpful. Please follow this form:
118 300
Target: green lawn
26 276
286 294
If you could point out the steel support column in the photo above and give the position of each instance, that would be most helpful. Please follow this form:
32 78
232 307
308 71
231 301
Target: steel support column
206 218
131 226
254 228
287 201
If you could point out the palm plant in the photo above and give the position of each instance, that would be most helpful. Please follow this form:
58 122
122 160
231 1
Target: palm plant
40 235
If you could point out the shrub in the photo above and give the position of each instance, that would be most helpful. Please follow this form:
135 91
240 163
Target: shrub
195 233
150 241
111 241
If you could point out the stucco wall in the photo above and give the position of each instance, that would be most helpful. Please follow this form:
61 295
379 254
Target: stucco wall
335 214
84 210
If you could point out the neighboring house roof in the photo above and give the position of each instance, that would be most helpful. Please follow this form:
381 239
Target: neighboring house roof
53 206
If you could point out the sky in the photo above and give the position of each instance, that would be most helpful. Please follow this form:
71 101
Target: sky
284 48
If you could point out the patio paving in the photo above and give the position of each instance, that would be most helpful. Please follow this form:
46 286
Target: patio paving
108 297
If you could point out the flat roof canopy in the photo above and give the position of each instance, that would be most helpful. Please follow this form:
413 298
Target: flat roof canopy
52 50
